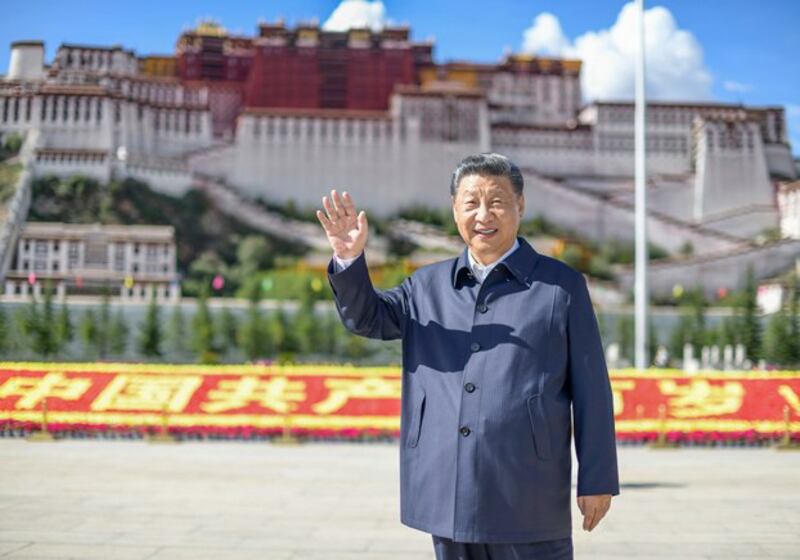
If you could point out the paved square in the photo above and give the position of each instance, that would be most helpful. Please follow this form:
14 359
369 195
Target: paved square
108 499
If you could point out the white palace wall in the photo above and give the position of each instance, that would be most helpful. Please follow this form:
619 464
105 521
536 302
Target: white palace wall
382 162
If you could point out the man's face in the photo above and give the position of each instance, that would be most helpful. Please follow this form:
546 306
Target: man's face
487 213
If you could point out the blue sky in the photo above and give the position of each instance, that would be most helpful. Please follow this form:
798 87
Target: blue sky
727 50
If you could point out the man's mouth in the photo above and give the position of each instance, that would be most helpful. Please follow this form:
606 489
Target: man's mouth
485 233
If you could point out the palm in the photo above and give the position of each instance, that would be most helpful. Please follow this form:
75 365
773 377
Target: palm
346 229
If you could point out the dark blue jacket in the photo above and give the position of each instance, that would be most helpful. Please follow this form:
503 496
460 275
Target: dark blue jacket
490 372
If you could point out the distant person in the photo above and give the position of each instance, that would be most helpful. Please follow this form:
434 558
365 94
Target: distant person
498 344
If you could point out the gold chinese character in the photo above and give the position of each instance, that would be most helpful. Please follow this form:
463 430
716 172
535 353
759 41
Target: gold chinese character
791 397
277 393
617 388
701 398
33 390
342 390
147 392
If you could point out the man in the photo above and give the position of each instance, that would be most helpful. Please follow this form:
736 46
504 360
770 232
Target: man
498 344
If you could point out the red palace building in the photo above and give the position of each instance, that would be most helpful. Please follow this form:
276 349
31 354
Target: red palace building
304 68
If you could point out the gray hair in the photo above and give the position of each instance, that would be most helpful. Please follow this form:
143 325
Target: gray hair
487 164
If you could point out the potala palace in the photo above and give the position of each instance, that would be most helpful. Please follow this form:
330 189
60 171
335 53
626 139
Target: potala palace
291 112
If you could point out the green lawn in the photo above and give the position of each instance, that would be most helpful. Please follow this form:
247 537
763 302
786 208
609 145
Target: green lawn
9 172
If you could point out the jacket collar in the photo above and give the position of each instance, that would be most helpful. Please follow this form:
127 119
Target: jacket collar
520 263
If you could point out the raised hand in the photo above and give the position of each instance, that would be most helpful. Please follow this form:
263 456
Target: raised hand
346 230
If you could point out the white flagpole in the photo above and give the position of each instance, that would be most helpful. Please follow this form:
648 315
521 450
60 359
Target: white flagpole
641 295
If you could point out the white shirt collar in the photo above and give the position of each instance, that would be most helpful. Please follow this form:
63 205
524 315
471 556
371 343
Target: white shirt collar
482 271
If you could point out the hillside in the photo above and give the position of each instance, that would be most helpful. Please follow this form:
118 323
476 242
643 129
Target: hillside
202 233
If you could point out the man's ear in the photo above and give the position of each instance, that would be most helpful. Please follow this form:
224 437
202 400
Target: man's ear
521 203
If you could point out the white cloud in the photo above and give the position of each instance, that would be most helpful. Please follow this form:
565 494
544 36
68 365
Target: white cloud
737 87
674 58
357 13
545 36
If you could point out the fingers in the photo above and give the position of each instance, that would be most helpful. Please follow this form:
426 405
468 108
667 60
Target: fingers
349 207
598 515
338 204
588 519
332 216
323 219
593 511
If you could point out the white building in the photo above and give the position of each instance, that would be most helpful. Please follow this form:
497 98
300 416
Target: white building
789 203
713 167
134 262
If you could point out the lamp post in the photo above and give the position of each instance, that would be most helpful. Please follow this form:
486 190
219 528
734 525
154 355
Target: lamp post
641 293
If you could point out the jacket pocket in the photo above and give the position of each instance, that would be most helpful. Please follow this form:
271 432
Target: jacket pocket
539 426
416 418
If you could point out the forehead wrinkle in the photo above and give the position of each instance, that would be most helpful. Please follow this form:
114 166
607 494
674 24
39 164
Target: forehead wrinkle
486 185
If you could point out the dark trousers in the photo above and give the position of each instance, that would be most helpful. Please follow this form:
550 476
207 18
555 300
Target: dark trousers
447 549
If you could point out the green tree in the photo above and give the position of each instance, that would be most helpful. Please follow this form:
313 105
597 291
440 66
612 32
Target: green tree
330 334
777 344
781 339
749 324
794 320
28 319
176 330
19 339
355 347
205 267
254 338
691 326
652 341
625 333
573 256
306 325
5 330
284 323
118 333
226 331
254 253
87 329
64 332
728 332
104 323
203 330
697 305
254 335
680 335
12 143
150 334
44 342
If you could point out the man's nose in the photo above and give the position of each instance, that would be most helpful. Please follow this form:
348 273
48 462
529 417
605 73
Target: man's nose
482 213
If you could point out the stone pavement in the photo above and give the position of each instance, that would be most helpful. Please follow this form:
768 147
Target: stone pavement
116 499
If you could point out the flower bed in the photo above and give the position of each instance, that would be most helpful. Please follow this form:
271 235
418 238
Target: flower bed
335 402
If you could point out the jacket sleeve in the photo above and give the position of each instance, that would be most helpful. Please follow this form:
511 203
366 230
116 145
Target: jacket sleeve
365 310
592 401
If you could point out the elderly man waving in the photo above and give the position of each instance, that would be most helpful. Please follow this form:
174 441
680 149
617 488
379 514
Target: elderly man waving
501 354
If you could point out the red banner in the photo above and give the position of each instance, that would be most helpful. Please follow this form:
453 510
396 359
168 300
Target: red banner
325 400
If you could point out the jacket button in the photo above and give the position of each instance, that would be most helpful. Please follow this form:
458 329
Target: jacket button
474 346
464 431
483 308
469 387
